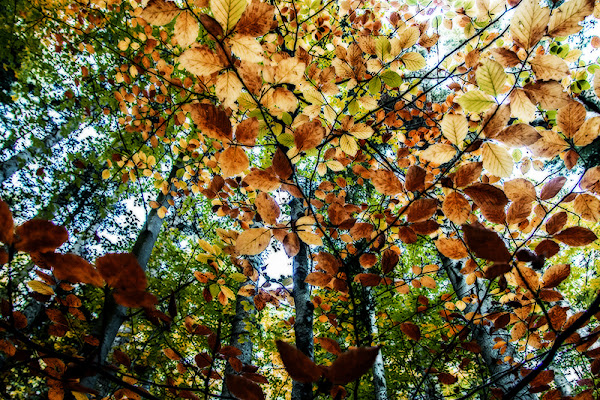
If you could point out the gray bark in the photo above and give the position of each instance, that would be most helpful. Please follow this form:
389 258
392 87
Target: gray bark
113 314
379 381
562 383
28 155
485 339
303 327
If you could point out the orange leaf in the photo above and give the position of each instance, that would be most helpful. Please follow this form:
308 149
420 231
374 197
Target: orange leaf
267 207
6 224
368 279
297 364
411 330
171 354
456 208
213 121
389 260
122 271
281 164
330 345
576 236
291 244
318 279
421 210
41 236
351 365
72 268
467 174
452 248
233 161
246 131
415 178
446 378
309 135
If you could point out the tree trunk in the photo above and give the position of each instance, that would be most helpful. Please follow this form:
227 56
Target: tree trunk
113 314
379 381
485 339
303 327
28 155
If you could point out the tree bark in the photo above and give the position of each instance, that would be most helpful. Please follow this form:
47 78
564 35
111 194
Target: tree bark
482 334
113 314
303 327
379 381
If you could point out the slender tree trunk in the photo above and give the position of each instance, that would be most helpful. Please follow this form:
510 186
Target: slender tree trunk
303 326
113 314
28 155
379 381
484 338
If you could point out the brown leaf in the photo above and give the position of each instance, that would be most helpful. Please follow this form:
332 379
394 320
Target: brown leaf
518 135
447 379
421 210
576 236
122 271
361 230
246 131
213 121
507 58
570 118
591 180
527 278
407 235
309 135
425 228
486 196
518 211
556 222
327 262
547 248
485 243
330 345
467 174
415 178
243 388
550 95
389 260
497 269
267 207
557 316
520 189
211 25
262 180
456 208
40 236
160 12
552 188
368 279
555 275
297 364
386 182
351 365
134 299
281 165
587 206
452 248
7 226
367 260
256 19
411 330
72 268
233 161
291 244
495 119
337 214
318 279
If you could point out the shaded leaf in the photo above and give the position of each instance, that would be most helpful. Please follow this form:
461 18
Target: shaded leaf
485 243
411 330
576 236
243 388
41 236
297 364
351 365
554 275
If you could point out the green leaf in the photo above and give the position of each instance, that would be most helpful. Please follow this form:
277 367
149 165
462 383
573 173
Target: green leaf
228 12
476 101
375 85
391 78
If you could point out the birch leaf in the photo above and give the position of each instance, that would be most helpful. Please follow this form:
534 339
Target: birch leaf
496 160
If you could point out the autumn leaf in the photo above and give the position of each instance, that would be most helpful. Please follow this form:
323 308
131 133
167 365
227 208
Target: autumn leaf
41 236
566 18
228 12
233 161
330 345
552 187
452 248
411 330
160 12
554 275
253 241
297 364
455 128
6 224
351 365
528 24
201 61
576 236
485 243
186 29
243 388
491 77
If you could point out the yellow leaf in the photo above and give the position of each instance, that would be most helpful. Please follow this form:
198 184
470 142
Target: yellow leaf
566 18
246 48
528 24
455 128
413 61
348 145
310 238
79 396
253 241
496 160
200 61
106 174
228 88
476 101
228 12
233 161
161 212
439 153
160 12
41 288
549 67
186 29
521 106
588 132
491 77
228 292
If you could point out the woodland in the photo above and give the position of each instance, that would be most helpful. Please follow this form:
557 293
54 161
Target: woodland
300 199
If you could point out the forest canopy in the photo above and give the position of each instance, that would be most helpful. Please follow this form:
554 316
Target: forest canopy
305 199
